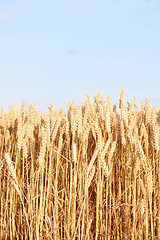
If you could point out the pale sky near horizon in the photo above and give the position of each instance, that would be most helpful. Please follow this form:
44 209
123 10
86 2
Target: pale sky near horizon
53 51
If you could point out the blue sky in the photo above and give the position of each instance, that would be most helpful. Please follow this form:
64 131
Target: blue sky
56 51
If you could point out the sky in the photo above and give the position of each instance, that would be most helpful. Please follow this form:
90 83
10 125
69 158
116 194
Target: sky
56 51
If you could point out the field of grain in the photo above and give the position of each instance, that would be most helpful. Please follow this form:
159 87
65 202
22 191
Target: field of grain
90 172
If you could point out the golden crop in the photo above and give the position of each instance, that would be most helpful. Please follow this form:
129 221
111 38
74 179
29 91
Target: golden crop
92 172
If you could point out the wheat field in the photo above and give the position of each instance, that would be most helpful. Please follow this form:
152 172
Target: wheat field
90 172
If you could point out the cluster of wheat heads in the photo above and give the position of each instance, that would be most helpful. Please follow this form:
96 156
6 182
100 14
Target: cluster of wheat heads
91 172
